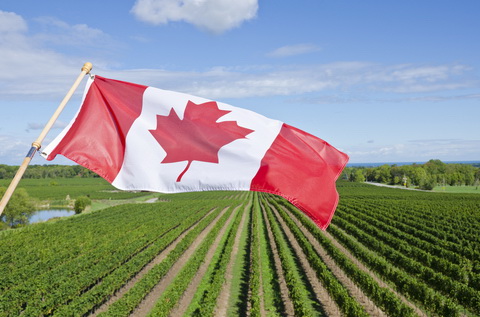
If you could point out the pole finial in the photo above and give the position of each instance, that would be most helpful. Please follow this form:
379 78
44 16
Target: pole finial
87 67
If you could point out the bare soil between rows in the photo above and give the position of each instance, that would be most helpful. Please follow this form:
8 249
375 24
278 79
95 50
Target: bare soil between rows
149 301
187 297
158 259
224 297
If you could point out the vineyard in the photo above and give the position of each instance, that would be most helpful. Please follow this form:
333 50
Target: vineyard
388 252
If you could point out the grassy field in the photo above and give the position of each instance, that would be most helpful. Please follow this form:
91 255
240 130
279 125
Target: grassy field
58 189
388 252
458 189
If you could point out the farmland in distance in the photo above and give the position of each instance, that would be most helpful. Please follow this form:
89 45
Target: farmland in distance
388 252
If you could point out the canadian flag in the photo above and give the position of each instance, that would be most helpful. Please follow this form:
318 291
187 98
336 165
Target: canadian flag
145 138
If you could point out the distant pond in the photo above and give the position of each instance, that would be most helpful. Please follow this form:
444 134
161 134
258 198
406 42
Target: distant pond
44 215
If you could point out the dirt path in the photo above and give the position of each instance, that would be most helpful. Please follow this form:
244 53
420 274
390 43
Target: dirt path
353 289
398 187
289 310
159 258
224 297
362 267
149 301
328 304
186 299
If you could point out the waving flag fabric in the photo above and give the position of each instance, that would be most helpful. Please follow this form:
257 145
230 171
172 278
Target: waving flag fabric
144 138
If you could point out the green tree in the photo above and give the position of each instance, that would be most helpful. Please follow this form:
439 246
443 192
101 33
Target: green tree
357 176
81 203
19 208
435 167
382 174
396 173
419 175
428 183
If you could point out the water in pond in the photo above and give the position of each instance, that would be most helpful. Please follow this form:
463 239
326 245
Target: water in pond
43 215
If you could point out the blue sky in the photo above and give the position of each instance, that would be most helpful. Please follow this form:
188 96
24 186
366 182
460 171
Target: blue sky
383 81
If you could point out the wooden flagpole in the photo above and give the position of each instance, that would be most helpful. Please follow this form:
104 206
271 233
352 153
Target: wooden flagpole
87 67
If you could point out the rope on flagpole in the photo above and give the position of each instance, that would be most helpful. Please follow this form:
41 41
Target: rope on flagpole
87 67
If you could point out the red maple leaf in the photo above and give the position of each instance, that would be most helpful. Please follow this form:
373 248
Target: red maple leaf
198 137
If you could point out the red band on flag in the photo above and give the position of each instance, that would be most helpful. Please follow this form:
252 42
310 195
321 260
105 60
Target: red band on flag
303 169
102 126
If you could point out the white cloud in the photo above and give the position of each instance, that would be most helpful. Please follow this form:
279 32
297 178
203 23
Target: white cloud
357 78
292 50
234 83
360 82
12 149
444 98
39 126
31 67
58 32
216 16
11 22
408 78
346 97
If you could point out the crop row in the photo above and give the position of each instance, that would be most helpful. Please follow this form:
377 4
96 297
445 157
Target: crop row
419 291
382 297
410 230
47 289
175 290
205 299
132 298
293 274
74 266
348 305
271 293
255 297
420 234
436 223
70 281
463 294
430 255
109 285
78 263
71 240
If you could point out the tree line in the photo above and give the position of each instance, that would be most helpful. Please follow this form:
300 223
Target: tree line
47 171
424 176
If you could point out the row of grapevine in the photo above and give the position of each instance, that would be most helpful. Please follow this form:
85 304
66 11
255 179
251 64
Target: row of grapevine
294 275
418 275
109 286
255 295
207 293
80 262
398 244
44 291
177 257
175 290
451 264
466 245
270 297
383 297
137 293
337 291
